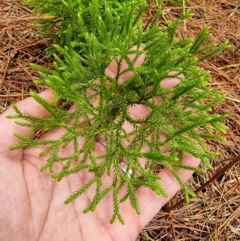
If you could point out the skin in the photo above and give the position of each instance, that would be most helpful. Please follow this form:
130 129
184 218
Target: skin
32 203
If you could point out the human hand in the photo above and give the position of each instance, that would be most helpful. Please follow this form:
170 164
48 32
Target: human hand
32 203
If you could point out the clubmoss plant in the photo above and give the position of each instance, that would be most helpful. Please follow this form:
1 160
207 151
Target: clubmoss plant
91 35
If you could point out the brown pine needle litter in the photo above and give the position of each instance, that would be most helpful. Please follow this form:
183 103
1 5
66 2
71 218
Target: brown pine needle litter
214 214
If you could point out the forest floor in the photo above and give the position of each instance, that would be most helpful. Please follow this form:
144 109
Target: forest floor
215 213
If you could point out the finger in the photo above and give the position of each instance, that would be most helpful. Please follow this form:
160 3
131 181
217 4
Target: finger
112 69
150 203
171 82
29 107
140 112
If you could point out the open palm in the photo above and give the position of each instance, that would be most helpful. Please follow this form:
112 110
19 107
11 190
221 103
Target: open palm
32 204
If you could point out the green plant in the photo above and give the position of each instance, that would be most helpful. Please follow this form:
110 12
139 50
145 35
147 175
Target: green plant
67 22
79 77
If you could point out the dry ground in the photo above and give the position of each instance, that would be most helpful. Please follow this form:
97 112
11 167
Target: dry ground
215 213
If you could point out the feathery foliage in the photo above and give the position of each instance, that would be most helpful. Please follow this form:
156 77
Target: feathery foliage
90 35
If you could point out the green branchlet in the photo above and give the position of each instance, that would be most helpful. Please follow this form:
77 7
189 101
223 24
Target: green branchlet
97 33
